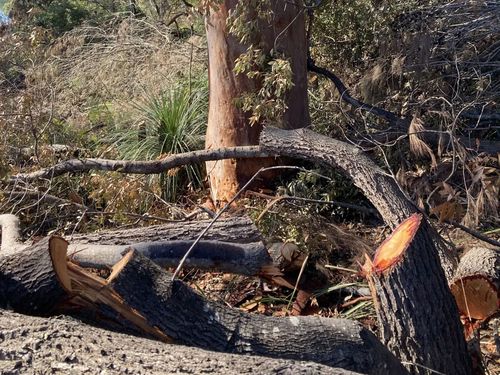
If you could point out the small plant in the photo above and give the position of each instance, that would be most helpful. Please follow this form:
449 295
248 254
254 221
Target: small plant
171 122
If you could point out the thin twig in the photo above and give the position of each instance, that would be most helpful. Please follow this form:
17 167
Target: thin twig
474 233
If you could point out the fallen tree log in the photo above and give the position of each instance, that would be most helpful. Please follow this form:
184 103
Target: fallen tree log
28 281
238 229
416 308
140 293
142 167
33 345
169 310
476 286
249 259
166 244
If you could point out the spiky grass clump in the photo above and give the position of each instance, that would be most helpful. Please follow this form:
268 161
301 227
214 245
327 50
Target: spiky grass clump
171 122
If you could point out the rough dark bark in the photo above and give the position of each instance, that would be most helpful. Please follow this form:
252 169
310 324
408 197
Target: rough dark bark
32 345
189 319
417 315
417 309
246 259
228 125
376 185
238 229
476 286
28 282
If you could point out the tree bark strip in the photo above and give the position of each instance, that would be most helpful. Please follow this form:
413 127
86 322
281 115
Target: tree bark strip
190 319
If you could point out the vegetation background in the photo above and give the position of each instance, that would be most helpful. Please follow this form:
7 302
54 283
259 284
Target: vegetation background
120 79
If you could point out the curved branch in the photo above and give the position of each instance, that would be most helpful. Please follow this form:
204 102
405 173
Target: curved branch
390 117
143 167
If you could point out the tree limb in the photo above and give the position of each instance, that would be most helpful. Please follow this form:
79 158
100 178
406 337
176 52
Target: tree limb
142 167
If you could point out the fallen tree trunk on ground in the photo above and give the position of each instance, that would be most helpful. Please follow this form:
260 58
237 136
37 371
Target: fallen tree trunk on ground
234 246
66 345
414 333
239 229
477 283
145 296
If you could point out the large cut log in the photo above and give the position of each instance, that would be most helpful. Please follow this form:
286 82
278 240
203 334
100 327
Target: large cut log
415 315
239 229
236 256
145 295
477 283
417 309
249 259
32 345
28 282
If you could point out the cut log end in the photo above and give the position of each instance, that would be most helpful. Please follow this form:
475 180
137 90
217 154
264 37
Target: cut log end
392 249
477 283
477 297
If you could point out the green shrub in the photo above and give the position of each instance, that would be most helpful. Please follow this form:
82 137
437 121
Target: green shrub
169 123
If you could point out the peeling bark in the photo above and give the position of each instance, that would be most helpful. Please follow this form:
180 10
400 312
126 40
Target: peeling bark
228 125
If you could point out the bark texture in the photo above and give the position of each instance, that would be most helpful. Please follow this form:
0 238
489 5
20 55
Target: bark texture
189 319
228 125
32 345
28 282
237 229
477 283
245 259
418 318
416 309
376 185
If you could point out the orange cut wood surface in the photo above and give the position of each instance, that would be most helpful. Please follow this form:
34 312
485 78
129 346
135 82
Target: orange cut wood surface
394 246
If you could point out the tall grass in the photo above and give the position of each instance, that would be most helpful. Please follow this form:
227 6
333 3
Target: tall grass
171 122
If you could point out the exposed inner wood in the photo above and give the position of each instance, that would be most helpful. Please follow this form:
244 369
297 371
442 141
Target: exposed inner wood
476 286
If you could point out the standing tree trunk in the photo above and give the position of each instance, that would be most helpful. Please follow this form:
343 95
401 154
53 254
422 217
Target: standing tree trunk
228 124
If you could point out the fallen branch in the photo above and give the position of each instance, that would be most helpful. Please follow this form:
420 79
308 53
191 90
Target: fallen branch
142 167
390 117
474 233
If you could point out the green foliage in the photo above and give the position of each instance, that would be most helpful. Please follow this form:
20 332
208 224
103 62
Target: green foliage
353 30
169 123
270 68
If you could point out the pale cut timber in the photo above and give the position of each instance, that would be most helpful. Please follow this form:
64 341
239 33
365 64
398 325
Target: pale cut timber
476 287
415 306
